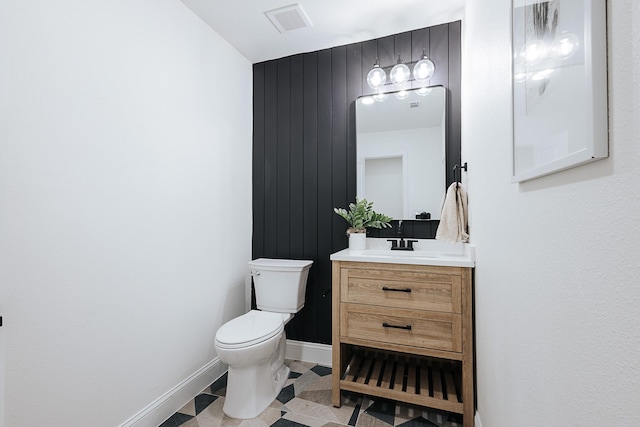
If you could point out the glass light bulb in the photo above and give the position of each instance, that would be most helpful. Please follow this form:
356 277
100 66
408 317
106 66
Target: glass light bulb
376 78
423 70
399 73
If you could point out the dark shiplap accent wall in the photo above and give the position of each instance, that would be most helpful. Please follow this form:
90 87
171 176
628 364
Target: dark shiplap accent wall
304 151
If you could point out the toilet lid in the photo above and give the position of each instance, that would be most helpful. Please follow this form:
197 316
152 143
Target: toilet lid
250 328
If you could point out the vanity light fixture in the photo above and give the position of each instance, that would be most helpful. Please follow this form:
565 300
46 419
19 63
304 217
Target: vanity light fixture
400 75
424 69
376 77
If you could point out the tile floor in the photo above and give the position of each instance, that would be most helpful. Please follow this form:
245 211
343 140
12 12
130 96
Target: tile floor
305 400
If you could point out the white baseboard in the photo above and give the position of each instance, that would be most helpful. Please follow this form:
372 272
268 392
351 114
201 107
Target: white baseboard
477 422
309 352
166 405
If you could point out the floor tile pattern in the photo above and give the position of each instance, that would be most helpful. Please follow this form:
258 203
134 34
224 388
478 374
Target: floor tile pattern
305 401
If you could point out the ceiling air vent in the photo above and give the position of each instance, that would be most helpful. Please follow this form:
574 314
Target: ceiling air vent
414 104
288 18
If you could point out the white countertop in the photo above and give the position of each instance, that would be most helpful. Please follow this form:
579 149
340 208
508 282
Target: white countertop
426 252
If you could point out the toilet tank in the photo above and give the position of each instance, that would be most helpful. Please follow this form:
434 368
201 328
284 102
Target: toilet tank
280 284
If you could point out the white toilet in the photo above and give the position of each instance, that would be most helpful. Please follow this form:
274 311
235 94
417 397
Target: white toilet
253 345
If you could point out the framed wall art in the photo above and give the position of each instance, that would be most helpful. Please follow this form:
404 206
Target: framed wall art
559 85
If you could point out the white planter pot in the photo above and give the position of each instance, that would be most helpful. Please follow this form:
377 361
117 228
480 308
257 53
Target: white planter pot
358 241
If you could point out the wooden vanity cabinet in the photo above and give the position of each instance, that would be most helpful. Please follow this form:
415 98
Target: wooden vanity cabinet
404 332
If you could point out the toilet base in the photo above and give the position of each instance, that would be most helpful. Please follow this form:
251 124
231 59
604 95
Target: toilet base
251 389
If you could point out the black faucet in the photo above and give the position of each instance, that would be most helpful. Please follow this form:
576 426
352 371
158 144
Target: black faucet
401 244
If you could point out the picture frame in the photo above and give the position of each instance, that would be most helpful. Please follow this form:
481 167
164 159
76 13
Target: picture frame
559 76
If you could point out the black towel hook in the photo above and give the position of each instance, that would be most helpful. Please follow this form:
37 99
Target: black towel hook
458 178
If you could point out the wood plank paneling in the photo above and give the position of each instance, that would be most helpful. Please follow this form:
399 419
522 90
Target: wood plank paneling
386 52
402 47
419 43
439 54
369 55
354 89
257 247
310 186
283 155
339 108
339 197
325 178
304 151
439 48
270 159
296 185
454 104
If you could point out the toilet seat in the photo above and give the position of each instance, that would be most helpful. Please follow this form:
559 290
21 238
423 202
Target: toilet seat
249 329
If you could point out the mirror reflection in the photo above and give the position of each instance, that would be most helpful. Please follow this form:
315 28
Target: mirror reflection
401 151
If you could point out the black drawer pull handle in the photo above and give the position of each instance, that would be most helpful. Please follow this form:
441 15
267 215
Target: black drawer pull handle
385 288
386 325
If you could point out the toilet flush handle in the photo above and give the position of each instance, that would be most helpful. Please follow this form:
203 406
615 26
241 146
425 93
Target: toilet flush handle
255 273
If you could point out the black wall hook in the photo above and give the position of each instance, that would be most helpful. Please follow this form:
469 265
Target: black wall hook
458 178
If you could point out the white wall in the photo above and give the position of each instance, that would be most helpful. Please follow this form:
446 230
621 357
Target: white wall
4 112
125 185
557 288
425 185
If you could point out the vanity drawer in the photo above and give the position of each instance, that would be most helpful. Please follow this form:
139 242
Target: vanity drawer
416 328
402 289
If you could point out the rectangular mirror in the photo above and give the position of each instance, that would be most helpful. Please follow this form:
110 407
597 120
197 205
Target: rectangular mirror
401 138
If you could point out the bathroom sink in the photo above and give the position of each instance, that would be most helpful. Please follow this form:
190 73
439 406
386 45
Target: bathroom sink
399 254
426 252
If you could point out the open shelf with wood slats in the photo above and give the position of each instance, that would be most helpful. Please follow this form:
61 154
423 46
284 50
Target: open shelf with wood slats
426 381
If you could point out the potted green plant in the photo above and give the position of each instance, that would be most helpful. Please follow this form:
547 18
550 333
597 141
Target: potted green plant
361 216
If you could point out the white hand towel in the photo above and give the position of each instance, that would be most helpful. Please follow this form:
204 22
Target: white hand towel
453 219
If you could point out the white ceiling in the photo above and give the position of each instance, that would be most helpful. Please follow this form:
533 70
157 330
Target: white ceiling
335 22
